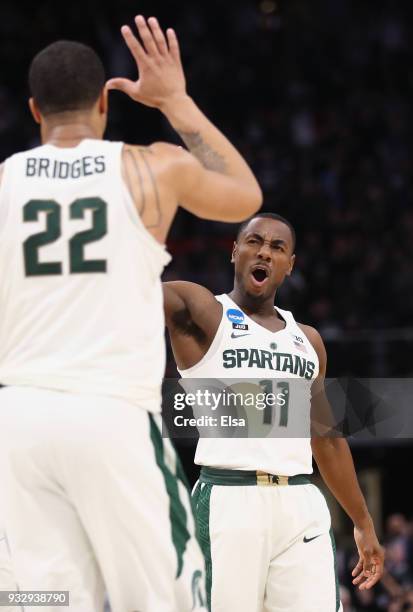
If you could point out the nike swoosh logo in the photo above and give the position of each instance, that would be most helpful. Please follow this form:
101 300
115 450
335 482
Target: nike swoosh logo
306 540
239 335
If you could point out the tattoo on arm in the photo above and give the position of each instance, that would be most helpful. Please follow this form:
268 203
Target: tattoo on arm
155 189
210 159
139 175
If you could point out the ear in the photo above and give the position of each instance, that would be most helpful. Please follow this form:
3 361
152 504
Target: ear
34 110
234 252
103 101
292 262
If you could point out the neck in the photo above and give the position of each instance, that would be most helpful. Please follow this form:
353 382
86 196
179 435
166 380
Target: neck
66 130
251 304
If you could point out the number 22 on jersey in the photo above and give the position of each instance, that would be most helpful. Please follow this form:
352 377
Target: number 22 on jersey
53 231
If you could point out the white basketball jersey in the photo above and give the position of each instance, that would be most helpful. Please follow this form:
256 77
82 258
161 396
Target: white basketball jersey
81 306
243 349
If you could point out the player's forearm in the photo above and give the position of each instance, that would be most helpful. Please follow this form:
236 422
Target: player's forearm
207 143
334 460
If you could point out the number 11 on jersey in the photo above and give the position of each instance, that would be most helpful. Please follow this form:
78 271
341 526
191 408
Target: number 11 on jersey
283 389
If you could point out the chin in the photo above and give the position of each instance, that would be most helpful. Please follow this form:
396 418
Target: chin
255 293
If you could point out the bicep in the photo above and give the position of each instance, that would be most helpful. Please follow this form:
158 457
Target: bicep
197 302
173 302
322 419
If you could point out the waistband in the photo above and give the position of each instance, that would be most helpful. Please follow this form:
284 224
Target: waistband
234 478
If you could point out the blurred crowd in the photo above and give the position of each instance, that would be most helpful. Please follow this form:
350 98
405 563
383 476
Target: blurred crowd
395 592
316 95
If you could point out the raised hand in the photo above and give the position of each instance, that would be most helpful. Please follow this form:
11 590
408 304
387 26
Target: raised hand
369 568
161 76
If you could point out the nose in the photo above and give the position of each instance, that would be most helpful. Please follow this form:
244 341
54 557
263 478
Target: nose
264 252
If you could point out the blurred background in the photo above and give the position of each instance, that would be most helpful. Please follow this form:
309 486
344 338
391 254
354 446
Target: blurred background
317 96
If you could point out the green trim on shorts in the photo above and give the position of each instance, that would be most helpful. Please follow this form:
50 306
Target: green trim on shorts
202 504
177 512
218 476
333 546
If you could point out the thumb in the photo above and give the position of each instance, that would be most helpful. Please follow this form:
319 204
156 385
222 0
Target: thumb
125 85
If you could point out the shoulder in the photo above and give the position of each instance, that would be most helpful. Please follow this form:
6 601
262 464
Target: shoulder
159 149
315 338
312 334
169 156
179 159
167 149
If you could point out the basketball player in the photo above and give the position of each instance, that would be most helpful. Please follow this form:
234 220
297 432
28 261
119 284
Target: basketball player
268 548
93 498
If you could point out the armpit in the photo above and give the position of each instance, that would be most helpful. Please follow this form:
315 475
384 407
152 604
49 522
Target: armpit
183 322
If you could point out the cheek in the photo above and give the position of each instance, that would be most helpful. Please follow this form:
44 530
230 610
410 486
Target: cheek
282 267
243 261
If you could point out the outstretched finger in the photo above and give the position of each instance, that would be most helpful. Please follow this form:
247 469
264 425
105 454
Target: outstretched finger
358 568
146 36
173 45
369 581
367 566
158 35
134 45
371 576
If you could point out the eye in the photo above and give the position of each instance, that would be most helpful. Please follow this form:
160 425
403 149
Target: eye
252 241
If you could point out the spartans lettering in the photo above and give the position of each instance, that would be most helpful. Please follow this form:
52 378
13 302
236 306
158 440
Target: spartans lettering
280 362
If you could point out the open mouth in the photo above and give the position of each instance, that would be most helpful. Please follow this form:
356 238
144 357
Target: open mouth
259 275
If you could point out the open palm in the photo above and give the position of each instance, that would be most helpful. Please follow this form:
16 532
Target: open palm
158 59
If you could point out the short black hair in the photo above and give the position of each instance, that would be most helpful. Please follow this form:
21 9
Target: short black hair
269 215
66 76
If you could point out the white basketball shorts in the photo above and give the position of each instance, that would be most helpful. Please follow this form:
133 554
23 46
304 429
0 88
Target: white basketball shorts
267 548
95 501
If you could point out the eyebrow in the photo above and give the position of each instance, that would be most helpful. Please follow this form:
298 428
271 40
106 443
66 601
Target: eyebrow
276 241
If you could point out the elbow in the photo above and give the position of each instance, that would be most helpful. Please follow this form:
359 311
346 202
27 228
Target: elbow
326 445
250 203
256 200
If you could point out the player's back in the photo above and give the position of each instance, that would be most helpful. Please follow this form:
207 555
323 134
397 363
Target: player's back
80 293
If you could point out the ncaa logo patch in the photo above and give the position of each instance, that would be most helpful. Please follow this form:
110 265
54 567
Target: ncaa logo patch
235 316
